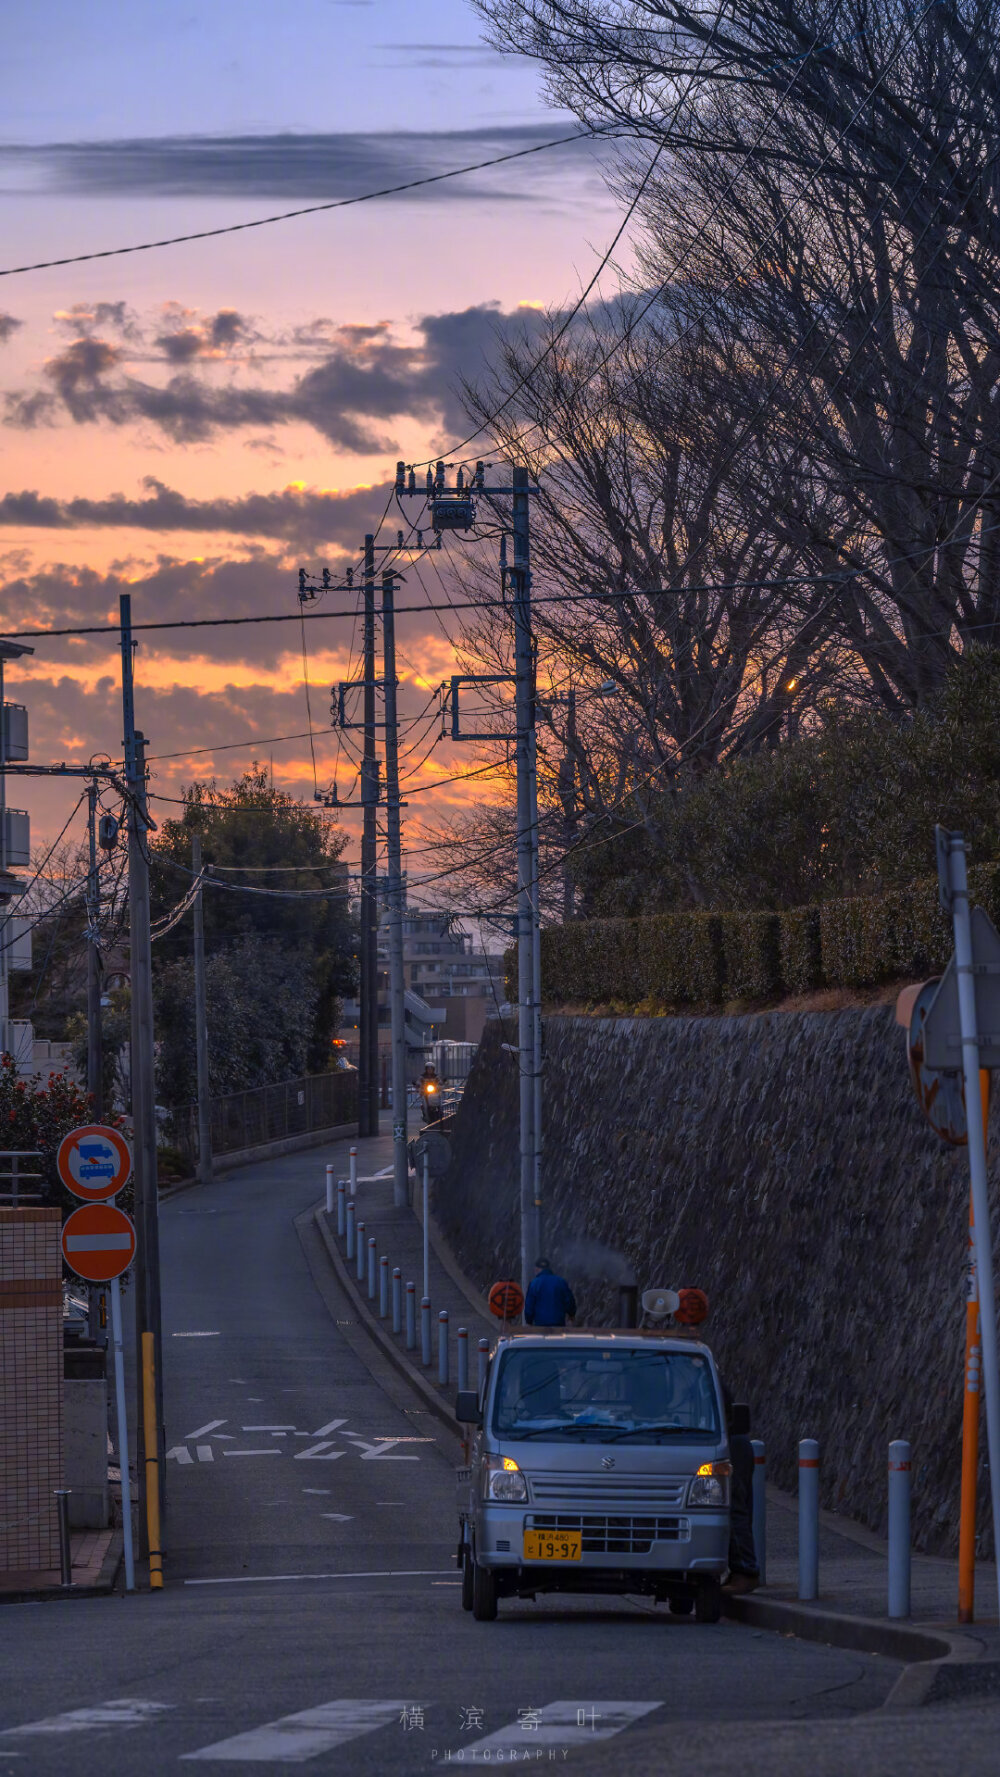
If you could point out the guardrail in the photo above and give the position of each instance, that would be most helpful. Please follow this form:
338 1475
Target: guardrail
264 1114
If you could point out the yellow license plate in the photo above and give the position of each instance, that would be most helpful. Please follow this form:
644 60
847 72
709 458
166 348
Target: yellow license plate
548 1545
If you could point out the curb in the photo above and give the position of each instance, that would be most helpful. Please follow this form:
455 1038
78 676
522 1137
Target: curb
938 1666
273 1150
386 1344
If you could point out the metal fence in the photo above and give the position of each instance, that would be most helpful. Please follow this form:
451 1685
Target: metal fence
269 1113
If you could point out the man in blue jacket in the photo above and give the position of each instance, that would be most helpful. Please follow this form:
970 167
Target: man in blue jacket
549 1301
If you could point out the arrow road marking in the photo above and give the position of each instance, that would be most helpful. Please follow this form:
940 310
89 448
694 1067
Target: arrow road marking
325 1430
323 1452
203 1430
179 1454
339 1517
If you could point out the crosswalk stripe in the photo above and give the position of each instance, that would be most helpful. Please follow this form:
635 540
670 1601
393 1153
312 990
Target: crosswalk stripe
562 1724
295 1738
120 1712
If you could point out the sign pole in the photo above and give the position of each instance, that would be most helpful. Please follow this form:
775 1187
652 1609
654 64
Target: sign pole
970 1440
427 1236
959 887
116 1334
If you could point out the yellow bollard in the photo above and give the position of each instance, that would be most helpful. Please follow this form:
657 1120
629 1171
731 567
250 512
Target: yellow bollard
151 1444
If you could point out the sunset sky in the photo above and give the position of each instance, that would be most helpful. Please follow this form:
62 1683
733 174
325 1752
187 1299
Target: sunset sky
199 421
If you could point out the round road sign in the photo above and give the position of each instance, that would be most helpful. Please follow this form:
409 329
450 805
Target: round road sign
98 1242
94 1162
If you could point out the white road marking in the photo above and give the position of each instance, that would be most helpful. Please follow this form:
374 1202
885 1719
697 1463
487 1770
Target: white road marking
339 1517
179 1454
203 1430
325 1430
195 1335
267 1428
258 1579
120 1712
379 1452
325 1491
205 1453
562 1724
294 1738
323 1452
270 1451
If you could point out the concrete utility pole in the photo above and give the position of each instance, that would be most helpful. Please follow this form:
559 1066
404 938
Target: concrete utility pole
95 1047
528 938
397 983
567 785
368 1071
10 885
147 1270
201 1026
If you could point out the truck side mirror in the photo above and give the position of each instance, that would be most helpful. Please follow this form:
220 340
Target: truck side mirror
739 1419
467 1408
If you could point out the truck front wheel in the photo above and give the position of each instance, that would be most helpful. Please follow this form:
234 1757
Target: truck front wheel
484 1593
708 1601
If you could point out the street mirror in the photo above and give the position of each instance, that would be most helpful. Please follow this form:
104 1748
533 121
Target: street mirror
467 1408
739 1419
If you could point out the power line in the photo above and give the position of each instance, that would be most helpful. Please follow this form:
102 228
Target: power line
342 203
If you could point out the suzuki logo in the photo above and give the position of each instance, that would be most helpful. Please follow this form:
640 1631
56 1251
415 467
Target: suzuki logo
607 1462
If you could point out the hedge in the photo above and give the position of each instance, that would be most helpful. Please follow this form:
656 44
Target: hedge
678 959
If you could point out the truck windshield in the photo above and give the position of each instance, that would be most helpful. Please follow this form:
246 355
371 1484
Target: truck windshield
605 1393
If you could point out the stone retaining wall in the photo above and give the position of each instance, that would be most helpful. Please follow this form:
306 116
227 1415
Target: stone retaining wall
780 1162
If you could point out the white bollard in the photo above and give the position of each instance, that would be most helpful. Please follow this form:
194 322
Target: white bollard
383 1288
354 1171
329 1189
760 1507
397 1299
349 1219
899 1528
359 1237
341 1208
462 1338
808 1519
372 1267
443 1348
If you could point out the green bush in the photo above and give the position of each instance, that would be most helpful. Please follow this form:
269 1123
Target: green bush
698 959
800 964
751 945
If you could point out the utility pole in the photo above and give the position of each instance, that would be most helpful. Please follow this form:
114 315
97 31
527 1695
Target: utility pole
147 1271
95 1050
567 786
368 1080
397 983
528 940
201 1026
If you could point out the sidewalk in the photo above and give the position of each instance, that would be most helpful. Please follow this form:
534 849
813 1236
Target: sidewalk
399 1236
95 1556
952 1661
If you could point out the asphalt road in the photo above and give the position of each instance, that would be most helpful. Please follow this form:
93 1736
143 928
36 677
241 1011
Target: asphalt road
312 1609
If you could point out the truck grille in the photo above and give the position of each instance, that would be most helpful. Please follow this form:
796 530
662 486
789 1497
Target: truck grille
654 1492
613 1536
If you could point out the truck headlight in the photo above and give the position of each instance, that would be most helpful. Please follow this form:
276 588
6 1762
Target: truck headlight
710 1486
504 1481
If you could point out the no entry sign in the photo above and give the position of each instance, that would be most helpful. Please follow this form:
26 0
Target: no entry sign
94 1162
98 1242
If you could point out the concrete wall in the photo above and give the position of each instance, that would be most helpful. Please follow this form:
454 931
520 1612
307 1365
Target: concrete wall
781 1163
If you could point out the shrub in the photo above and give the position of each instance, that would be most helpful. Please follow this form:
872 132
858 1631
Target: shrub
751 945
801 956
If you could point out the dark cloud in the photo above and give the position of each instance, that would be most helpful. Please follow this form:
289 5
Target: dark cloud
306 517
8 323
82 318
367 379
215 337
312 166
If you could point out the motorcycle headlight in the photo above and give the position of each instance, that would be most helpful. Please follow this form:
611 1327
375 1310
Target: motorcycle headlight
710 1486
504 1481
